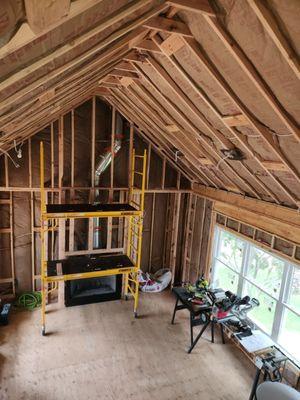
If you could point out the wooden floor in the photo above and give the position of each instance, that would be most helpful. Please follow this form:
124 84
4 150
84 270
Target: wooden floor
100 351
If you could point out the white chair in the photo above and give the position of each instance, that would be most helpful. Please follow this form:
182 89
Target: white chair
276 391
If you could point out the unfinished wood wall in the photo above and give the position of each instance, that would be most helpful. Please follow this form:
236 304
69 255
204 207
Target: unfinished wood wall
176 222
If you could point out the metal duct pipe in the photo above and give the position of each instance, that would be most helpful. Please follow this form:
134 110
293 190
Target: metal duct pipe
104 161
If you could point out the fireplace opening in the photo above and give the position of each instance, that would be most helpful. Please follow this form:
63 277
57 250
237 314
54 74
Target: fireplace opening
93 290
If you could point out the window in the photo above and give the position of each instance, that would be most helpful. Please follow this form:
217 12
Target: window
245 269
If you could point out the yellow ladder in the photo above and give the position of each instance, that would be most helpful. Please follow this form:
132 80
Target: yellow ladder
135 225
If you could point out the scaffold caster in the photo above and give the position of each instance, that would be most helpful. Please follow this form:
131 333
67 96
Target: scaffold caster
43 331
135 314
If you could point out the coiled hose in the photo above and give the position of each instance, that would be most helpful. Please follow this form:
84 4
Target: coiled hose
29 300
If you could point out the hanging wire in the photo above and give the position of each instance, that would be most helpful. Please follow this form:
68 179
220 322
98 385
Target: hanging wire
18 150
222 160
9 156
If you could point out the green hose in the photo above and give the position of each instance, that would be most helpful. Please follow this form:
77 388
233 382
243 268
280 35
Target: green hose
29 300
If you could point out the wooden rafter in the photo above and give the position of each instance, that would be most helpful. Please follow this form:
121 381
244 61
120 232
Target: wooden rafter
270 24
47 114
173 138
253 75
168 25
157 144
89 77
128 53
233 121
152 124
258 128
41 14
206 143
197 6
185 143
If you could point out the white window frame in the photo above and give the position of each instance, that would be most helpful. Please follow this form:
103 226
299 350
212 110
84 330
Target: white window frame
286 283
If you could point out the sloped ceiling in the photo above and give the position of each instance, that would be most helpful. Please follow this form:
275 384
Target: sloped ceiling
197 76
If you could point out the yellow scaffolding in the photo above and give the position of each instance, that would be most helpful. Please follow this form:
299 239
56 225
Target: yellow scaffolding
49 222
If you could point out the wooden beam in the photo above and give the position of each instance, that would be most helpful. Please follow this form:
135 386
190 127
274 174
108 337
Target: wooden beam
72 89
151 232
157 123
216 134
168 25
189 141
25 36
268 21
172 128
101 91
60 151
147 45
136 56
260 221
223 140
266 135
273 218
46 96
151 122
66 48
109 79
41 14
196 6
93 144
126 66
236 120
150 136
11 14
253 75
125 74
205 161
275 165
126 81
174 234
85 74
112 146
172 44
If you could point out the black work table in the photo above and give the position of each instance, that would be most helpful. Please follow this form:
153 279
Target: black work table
67 208
84 264
199 315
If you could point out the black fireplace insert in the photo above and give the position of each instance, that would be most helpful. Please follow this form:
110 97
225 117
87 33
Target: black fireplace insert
93 290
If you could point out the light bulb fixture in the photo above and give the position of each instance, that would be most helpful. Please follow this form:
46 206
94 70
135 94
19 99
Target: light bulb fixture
234 154
178 153
18 150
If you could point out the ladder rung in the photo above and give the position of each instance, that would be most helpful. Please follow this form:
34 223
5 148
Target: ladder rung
139 156
135 203
135 224
133 246
138 173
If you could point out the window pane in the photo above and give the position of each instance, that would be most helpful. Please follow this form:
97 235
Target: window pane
225 278
263 315
294 295
290 333
266 271
231 251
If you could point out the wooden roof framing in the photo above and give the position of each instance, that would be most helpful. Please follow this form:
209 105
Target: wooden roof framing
169 67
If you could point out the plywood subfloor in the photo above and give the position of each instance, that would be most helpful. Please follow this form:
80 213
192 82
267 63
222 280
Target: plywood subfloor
99 351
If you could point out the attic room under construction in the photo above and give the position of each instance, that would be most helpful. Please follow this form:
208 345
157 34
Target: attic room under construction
149 199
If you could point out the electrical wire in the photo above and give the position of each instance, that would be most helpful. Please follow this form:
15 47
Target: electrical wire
18 150
9 156
222 160
260 136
